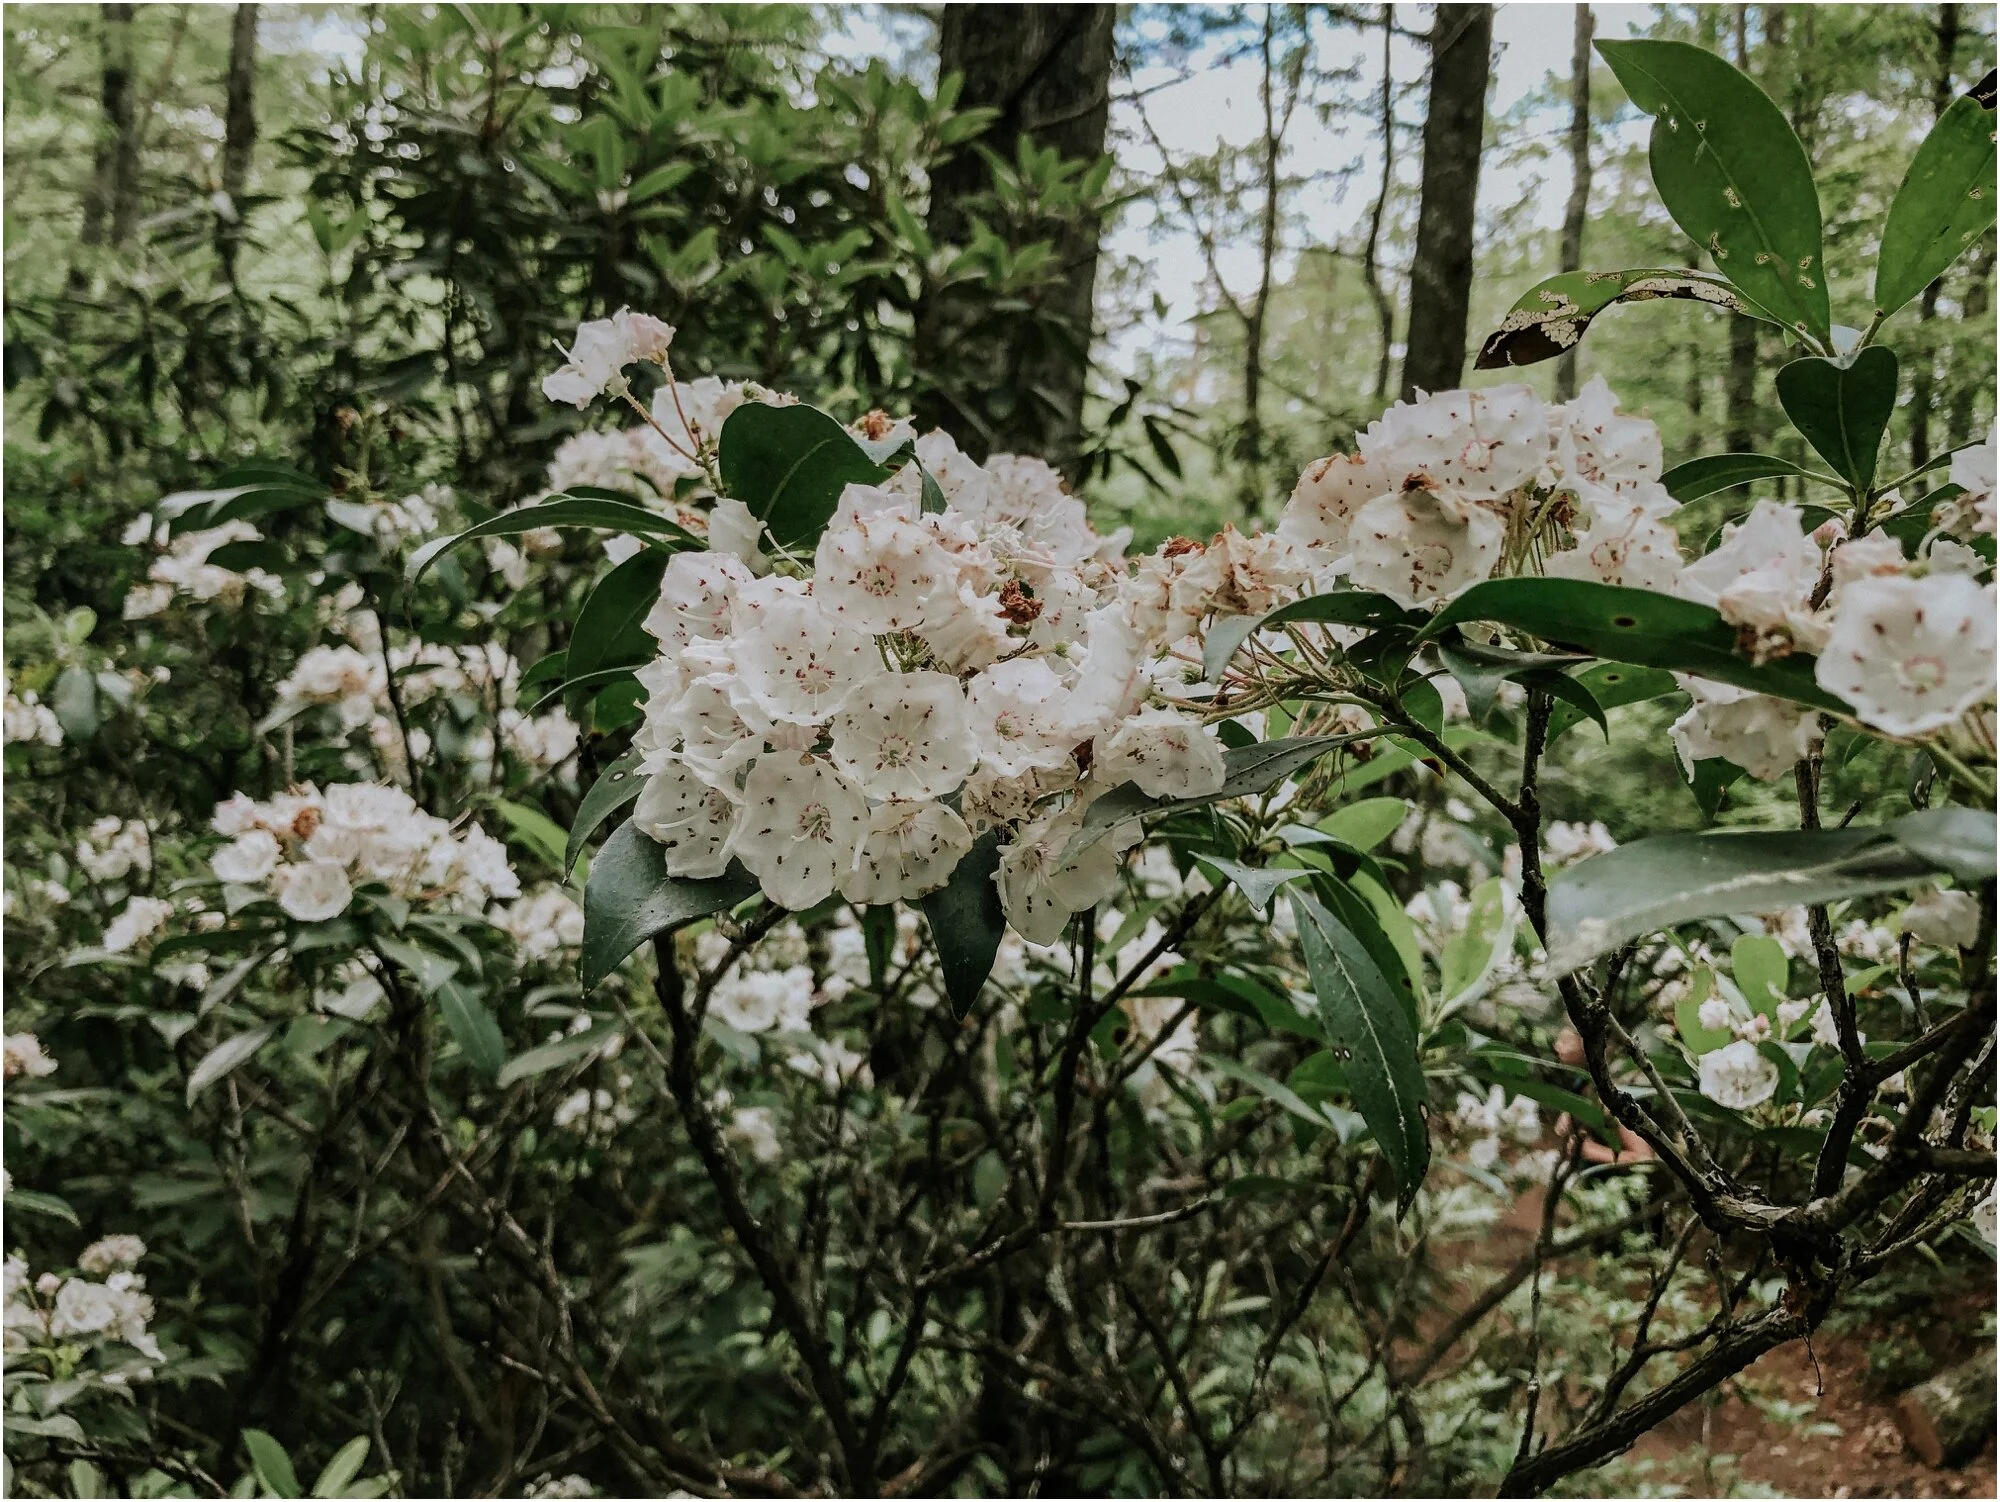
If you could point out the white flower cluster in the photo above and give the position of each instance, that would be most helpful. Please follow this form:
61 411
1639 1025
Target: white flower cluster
114 848
1493 1119
1737 1076
544 924
184 569
602 350
420 515
1468 485
28 719
53 1309
309 850
25 1058
140 920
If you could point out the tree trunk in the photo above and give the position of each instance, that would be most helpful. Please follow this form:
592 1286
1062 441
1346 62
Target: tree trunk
1251 450
1454 131
1371 269
1948 1419
1047 70
1740 425
1973 374
109 205
239 135
1923 376
1578 207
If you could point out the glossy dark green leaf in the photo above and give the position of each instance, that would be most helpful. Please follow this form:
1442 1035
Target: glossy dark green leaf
1346 607
789 466
1481 668
1711 779
630 898
1714 473
1609 685
592 512
1551 317
1635 626
571 1048
1648 885
617 786
610 629
1731 171
1257 883
1843 409
1370 1034
1945 203
472 1027
967 923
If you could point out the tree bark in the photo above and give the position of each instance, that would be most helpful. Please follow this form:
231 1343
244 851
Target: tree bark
1047 70
1454 132
109 205
1923 377
1371 269
1578 207
1947 1419
239 135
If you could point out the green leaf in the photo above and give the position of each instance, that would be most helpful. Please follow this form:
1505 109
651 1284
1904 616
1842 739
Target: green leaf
560 1054
1237 994
535 829
1258 883
621 782
594 512
429 969
1481 668
1732 173
630 898
610 630
472 1026
74 702
35 1202
1758 965
1469 955
1648 885
1687 1015
1945 204
1247 770
1279 1095
1370 1034
1367 823
1611 684
1710 779
967 923
342 1469
1551 317
225 1056
1843 410
272 1465
1344 606
1714 473
789 466
1635 626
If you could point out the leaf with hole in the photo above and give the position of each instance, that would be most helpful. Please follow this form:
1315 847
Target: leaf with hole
1551 317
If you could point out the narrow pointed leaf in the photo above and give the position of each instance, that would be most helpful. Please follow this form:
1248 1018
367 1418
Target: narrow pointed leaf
1945 204
967 923
619 784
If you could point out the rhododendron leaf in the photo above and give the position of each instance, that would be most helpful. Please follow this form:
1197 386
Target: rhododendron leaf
630 898
1945 203
1687 1015
1714 473
1248 770
1344 606
610 630
38 1202
534 829
1481 668
1467 960
1369 1032
596 513
428 969
966 922
615 787
1257 883
1758 965
1731 171
472 1027
1609 685
1279 1095
1640 888
272 1465
1843 410
225 1056
565 1051
1711 777
1551 317
1239 995
789 466
1565 689
343 1468
1367 823
1638 626
1374 917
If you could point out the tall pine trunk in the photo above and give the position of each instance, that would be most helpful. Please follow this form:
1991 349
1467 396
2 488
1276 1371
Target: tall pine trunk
1371 267
1578 207
1454 131
239 135
112 201
1047 70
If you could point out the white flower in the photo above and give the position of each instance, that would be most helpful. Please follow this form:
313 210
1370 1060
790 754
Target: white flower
801 827
756 1128
1610 460
603 348
110 1254
1949 920
687 815
1017 710
1422 545
1716 1015
83 1308
28 719
1762 574
142 918
875 569
1737 1076
1484 442
545 922
250 857
1564 842
696 594
1321 510
1972 513
1764 736
733 531
24 1057
1254 573
115 848
1164 752
756 1001
1040 889
798 661
910 849
1982 1218
904 735
313 892
1629 549
1911 655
